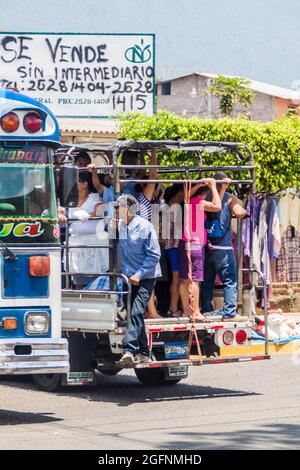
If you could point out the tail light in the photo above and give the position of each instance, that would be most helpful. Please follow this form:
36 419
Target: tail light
228 337
241 337
10 122
32 122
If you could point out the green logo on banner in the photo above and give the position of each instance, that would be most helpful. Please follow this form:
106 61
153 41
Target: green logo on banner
138 54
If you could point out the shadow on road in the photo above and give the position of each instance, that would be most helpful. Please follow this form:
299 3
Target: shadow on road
266 436
125 390
12 418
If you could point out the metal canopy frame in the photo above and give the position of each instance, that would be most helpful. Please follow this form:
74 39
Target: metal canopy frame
200 146
246 163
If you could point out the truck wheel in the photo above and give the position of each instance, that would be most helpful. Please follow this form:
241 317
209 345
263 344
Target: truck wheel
109 372
48 382
154 377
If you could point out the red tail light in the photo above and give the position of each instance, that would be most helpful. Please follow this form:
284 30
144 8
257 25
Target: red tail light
10 122
32 122
241 337
228 337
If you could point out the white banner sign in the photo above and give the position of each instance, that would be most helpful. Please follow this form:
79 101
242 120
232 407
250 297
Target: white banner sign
81 75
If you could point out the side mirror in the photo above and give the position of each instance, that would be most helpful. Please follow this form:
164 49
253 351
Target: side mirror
69 185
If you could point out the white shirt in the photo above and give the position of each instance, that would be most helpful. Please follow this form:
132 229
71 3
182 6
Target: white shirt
88 206
86 226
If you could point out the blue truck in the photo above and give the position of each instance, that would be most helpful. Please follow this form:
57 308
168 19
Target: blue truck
65 336
30 261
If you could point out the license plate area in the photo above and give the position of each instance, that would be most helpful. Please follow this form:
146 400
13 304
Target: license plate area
178 350
80 378
177 371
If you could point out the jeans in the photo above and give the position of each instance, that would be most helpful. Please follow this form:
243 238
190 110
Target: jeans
135 340
221 262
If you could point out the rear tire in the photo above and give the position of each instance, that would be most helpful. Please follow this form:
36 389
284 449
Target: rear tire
154 377
48 382
109 372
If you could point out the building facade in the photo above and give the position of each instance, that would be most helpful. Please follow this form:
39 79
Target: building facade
88 130
185 96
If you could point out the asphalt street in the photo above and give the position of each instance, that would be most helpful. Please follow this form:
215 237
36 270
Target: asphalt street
236 406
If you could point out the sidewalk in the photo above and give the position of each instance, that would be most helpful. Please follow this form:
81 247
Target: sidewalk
259 348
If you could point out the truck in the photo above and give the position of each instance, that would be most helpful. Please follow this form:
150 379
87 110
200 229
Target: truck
94 320
31 339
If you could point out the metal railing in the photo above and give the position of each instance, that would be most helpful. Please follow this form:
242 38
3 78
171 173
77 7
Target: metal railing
247 164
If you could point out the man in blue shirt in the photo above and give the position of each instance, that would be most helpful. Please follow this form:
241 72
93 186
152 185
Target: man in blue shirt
140 255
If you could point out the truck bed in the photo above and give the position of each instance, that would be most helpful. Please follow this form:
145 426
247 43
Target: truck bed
91 312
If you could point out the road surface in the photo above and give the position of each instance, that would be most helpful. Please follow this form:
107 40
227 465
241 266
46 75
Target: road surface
235 406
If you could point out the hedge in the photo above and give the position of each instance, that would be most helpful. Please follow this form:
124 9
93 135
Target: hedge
275 144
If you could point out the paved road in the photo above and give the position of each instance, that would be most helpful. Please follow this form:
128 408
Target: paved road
235 406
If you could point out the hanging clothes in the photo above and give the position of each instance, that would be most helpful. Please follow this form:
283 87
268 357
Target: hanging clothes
263 241
274 238
289 212
247 226
288 263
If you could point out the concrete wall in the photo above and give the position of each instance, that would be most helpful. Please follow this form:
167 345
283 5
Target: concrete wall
182 102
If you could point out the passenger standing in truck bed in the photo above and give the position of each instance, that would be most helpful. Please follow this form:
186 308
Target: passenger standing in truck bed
149 194
219 258
140 255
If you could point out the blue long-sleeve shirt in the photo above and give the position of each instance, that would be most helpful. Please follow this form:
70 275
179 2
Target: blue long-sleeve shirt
139 249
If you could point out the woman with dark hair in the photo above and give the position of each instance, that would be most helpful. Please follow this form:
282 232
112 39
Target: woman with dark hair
88 199
194 238
174 197
82 159
89 205
148 193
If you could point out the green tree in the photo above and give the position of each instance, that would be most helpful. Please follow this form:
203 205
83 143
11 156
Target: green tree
231 90
275 144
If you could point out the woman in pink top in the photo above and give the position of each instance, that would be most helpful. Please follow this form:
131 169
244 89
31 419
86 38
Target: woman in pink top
194 235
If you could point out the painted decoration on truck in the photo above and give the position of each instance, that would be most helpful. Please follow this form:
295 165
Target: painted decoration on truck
38 231
81 75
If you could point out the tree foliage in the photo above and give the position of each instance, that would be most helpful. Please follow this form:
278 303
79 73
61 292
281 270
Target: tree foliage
276 144
231 90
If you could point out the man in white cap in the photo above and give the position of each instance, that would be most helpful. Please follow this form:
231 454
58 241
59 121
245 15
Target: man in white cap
140 255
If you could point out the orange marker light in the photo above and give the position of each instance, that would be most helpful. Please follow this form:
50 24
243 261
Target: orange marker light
39 266
10 122
9 323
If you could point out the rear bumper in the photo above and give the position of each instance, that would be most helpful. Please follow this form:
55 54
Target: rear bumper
34 356
192 361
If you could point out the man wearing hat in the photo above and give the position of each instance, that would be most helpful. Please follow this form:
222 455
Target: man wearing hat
140 255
